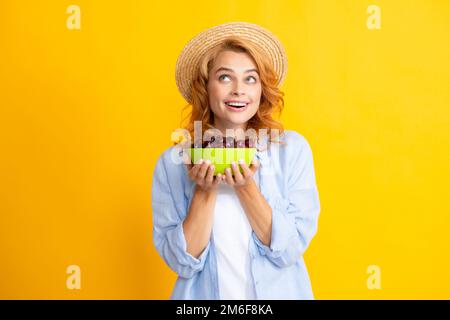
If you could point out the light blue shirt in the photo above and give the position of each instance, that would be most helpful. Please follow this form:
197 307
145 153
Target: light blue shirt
286 179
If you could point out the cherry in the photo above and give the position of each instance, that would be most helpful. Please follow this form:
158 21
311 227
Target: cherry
225 142
229 142
240 144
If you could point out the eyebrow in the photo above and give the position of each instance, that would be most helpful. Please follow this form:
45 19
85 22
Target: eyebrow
231 70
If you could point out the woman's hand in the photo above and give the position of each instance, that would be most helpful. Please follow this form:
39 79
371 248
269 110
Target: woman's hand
240 179
202 174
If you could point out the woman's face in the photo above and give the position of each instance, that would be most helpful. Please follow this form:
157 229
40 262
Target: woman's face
233 80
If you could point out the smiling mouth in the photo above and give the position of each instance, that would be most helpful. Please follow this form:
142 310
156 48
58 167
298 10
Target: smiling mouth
236 105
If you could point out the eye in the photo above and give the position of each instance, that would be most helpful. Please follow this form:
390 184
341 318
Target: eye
252 77
223 75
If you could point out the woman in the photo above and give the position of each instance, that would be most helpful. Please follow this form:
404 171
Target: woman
240 235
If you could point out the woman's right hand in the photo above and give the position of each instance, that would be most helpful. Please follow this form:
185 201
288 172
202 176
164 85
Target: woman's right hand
202 174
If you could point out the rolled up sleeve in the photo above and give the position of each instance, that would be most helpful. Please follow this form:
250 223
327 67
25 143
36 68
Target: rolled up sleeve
295 217
168 234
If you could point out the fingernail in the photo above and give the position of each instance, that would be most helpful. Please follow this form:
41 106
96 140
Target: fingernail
241 161
228 170
233 163
211 168
200 161
208 162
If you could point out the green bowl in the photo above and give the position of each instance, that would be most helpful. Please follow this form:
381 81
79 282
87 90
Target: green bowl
221 158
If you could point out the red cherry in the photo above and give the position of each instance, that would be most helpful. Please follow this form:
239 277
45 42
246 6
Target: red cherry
240 144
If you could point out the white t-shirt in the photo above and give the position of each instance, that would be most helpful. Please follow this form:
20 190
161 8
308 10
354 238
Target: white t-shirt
232 233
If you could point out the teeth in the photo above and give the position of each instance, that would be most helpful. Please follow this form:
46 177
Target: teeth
236 104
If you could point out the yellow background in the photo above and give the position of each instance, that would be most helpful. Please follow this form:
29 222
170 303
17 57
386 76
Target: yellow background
84 114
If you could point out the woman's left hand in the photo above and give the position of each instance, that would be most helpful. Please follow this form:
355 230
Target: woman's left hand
240 179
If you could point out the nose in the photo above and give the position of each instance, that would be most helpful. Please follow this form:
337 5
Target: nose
238 89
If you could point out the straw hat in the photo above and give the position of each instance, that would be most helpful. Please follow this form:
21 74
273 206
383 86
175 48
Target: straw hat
190 56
